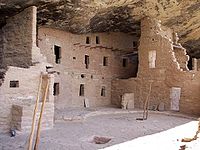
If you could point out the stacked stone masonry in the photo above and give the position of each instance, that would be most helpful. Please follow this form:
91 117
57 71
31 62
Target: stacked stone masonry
166 69
91 70
72 70
19 88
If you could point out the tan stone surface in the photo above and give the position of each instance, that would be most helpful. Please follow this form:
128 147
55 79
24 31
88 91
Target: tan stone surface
20 44
168 73
73 50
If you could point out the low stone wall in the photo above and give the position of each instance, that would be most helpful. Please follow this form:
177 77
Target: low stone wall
22 117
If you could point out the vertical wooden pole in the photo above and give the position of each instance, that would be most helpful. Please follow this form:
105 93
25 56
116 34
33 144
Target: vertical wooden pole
34 115
40 118
146 104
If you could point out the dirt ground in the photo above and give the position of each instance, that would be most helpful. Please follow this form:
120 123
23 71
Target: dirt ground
165 132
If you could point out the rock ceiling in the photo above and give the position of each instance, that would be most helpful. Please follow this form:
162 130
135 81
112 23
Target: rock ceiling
81 16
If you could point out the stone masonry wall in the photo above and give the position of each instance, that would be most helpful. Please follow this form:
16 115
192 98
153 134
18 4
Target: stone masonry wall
1 48
21 81
198 64
17 39
164 67
73 50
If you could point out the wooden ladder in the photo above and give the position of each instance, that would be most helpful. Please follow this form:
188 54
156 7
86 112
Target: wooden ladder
41 82
146 104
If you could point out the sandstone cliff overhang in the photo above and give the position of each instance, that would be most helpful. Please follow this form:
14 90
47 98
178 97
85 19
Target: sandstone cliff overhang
83 16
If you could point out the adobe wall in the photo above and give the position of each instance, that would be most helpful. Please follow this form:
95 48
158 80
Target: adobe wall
73 51
19 44
162 62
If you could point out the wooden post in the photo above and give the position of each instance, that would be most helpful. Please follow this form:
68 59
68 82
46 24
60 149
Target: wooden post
40 118
34 115
146 104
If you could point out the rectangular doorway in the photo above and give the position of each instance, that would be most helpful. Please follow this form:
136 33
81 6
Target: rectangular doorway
57 53
87 60
175 95
127 101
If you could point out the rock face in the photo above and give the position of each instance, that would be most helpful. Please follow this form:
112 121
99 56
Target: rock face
82 16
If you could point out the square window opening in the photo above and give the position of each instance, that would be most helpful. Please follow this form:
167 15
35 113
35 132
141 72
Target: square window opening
14 84
134 44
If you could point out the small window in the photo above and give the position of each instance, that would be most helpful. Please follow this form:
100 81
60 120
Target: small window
97 40
190 63
87 40
81 90
152 59
57 53
56 90
82 76
124 62
105 61
134 44
14 84
103 91
87 61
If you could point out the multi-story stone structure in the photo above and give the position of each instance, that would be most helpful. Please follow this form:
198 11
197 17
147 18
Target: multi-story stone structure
85 65
91 70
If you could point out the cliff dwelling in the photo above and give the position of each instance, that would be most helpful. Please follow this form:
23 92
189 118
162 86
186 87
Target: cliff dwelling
91 74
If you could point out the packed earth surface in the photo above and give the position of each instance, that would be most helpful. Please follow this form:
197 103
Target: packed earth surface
123 130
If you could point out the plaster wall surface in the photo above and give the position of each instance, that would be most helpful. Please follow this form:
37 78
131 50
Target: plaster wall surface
170 71
113 46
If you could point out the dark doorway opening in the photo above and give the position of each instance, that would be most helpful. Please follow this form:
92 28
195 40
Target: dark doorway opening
56 89
87 61
97 40
190 65
124 62
57 53
82 90
87 40
105 61
103 91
